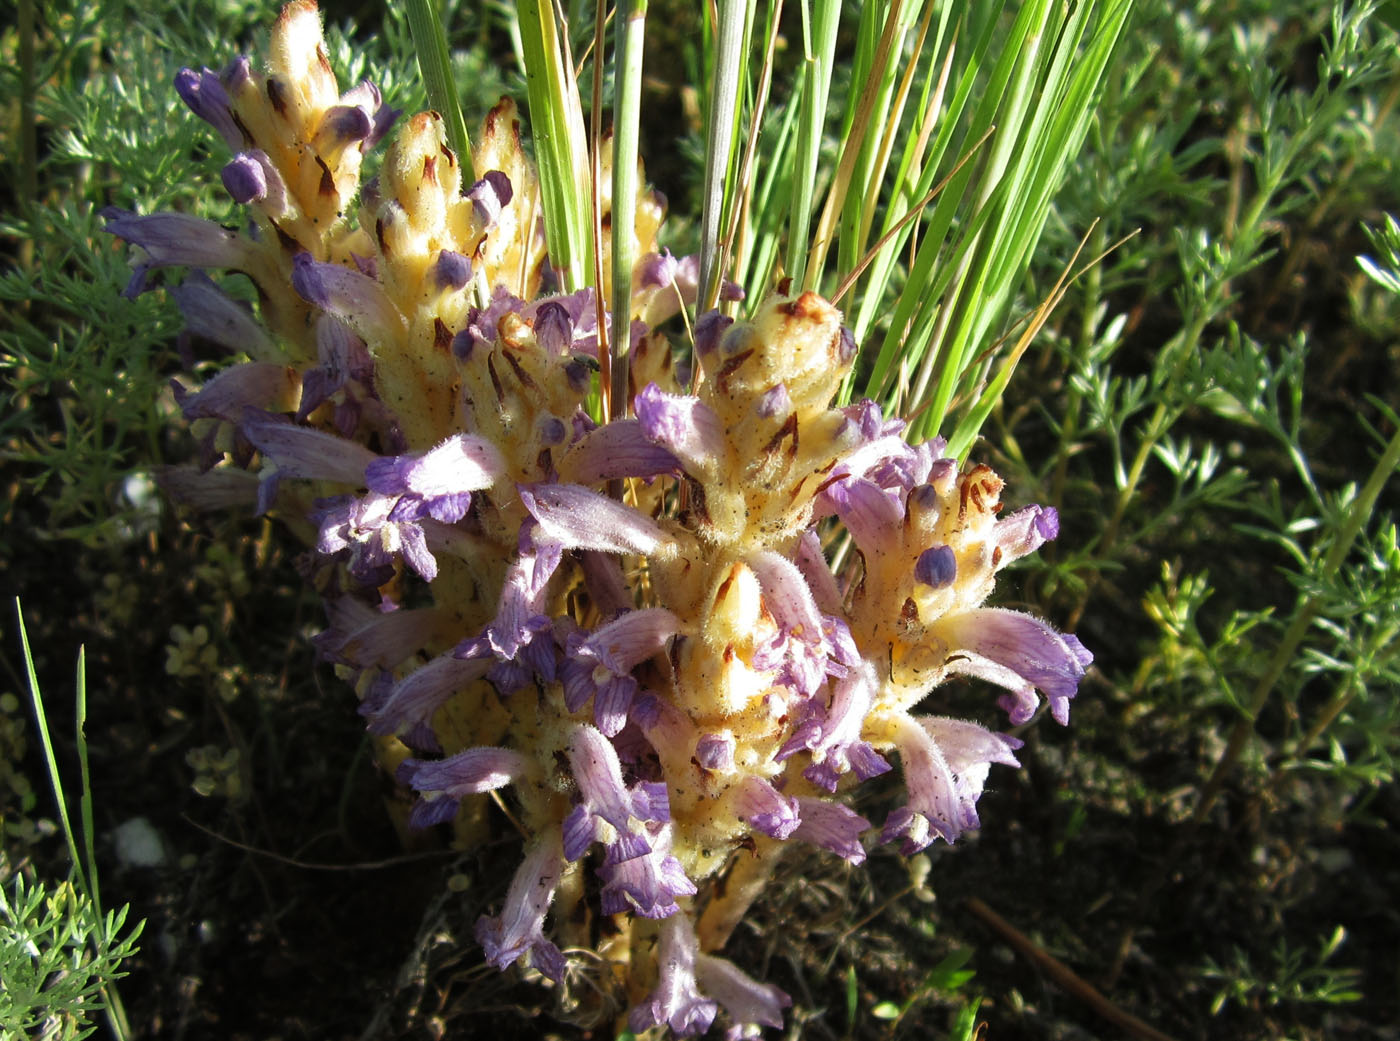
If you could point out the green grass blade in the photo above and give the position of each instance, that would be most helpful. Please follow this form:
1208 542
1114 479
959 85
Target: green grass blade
631 31
819 48
50 761
435 64
561 148
719 144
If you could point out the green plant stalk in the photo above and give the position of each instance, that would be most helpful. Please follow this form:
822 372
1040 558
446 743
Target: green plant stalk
908 178
1357 515
819 49
1346 691
561 149
735 246
910 327
719 144
86 877
855 144
631 33
49 759
940 371
757 251
435 64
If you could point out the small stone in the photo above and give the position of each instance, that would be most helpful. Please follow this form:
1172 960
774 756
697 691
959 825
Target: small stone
139 844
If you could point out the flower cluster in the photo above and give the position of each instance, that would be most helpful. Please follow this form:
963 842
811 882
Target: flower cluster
634 626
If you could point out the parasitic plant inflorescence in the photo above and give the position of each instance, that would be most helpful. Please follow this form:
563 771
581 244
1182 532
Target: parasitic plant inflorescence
632 630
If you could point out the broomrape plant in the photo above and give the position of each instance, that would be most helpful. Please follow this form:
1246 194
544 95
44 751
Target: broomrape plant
631 619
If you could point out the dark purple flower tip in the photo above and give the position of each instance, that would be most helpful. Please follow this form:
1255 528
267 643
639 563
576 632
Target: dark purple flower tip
452 270
490 196
554 329
1047 523
656 270
236 73
846 351
343 124
924 497
937 566
709 328
204 94
579 372
462 345
715 751
776 403
244 179
553 430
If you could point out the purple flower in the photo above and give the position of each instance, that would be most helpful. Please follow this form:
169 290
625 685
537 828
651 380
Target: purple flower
600 663
760 805
647 885
685 426
798 652
439 477
519 928
519 615
348 294
618 449
676 1001
362 637
1025 531
343 357
446 781
579 518
607 811
832 826
302 452
832 733
1020 652
177 238
206 97
254 384
414 699
945 764
748 1003
211 314
405 492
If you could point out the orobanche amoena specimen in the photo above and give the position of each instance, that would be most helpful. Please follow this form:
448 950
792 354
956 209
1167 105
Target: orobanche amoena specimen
631 628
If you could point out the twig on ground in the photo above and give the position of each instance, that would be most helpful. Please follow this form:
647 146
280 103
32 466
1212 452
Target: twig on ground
1064 976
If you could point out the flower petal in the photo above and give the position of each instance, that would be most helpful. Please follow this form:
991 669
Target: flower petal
579 518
